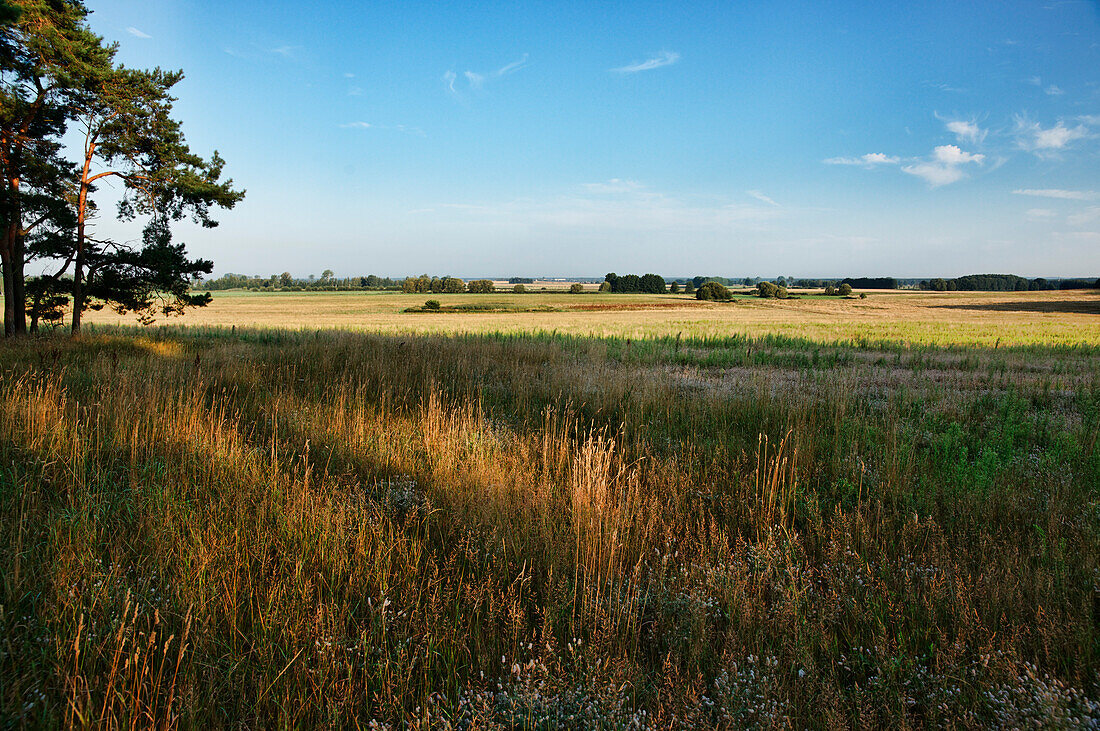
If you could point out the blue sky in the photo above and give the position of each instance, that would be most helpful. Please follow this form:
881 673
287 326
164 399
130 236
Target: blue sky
572 139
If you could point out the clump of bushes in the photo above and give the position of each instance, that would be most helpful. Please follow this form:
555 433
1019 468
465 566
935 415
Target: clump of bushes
845 290
519 289
480 286
713 291
675 288
431 305
771 290
576 288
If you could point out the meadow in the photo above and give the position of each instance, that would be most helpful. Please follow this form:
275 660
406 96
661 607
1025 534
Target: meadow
319 510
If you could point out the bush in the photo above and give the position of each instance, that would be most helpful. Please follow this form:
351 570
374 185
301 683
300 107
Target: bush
431 305
781 292
767 289
605 286
576 288
675 288
712 291
519 289
830 290
863 295
845 289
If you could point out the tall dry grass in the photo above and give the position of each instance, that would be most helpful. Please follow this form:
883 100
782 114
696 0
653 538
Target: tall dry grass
307 529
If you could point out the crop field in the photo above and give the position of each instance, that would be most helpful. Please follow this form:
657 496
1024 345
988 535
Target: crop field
970 318
318 510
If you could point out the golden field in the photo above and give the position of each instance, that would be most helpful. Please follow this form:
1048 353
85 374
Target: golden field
963 318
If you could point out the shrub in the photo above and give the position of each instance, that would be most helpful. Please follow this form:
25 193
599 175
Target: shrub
712 291
576 288
845 289
431 305
519 289
675 288
781 292
830 290
767 289
863 295
605 286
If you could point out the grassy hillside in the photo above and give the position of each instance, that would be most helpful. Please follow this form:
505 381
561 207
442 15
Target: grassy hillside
267 528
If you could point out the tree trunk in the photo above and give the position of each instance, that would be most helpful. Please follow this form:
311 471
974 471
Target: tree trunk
9 294
18 281
81 214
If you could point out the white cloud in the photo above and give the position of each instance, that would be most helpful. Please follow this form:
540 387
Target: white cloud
965 131
1041 213
1031 136
1069 195
514 66
476 80
286 51
945 166
935 174
761 197
1053 90
952 155
615 185
1034 80
349 75
1088 215
449 79
355 91
665 58
869 160
137 33
392 127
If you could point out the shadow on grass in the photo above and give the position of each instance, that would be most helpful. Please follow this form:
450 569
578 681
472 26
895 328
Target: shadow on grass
1079 306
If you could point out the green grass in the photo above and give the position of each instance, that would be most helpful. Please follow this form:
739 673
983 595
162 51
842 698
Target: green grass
256 527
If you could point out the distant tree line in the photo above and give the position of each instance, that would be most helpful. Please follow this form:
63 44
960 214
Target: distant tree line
287 282
1003 283
632 283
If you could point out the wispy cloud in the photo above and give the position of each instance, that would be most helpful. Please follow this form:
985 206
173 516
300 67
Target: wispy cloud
635 208
449 78
965 130
762 198
286 51
514 66
392 127
1090 214
614 185
945 87
1041 213
137 33
945 166
664 58
1053 90
1033 137
871 159
1059 193
475 80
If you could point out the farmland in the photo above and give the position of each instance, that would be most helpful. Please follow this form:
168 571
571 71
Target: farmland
619 511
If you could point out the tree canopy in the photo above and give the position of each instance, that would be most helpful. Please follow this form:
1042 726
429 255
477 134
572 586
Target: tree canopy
57 74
